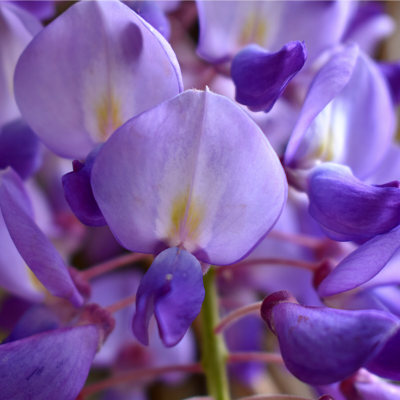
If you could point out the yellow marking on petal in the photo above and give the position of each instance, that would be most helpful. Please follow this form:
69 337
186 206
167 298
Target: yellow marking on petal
184 225
35 281
254 30
108 114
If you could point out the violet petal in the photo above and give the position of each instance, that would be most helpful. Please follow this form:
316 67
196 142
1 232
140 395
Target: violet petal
173 290
261 77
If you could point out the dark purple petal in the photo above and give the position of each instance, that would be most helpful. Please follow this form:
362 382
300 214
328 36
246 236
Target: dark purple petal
361 265
35 248
74 94
37 319
344 204
40 9
323 345
261 77
173 290
196 171
20 148
391 71
49 363
387 363
79 193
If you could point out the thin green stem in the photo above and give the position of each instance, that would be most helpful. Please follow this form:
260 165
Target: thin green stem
214 353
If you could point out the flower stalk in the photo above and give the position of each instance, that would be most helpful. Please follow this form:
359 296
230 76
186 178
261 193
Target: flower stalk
214 353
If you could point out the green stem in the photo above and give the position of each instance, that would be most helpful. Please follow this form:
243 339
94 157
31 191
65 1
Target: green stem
214 353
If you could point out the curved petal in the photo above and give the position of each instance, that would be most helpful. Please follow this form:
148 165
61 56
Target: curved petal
37 319
227 26
51 362
35 248
361 265
19 148
331 79
387 363
369 25
323 345
79 193
361 108
261 77
173 290
196 171
16 31
345 205
73 94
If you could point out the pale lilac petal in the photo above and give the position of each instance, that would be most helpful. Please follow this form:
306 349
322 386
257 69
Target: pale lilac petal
369 25
228 26
15 276
347 102
329 81
36 249
15 34
50 362
361 265
75 94
172 289
201 144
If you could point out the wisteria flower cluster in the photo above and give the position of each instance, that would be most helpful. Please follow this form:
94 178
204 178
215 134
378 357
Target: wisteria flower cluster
230 225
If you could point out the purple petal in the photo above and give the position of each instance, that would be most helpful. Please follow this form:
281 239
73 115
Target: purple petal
227 26
19 148
173 290
343 204
329 81
40 9
201 144
387 363
369 26
37 319
336 131
17 30
35 248
79 193
152 12
15 276
361 265
323 345
261 77
51 362
73 94
378 389
391 71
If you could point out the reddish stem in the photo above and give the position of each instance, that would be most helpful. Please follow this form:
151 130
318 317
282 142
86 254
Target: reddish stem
270 261
112 264
235 315
121 304
139 375
301 240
